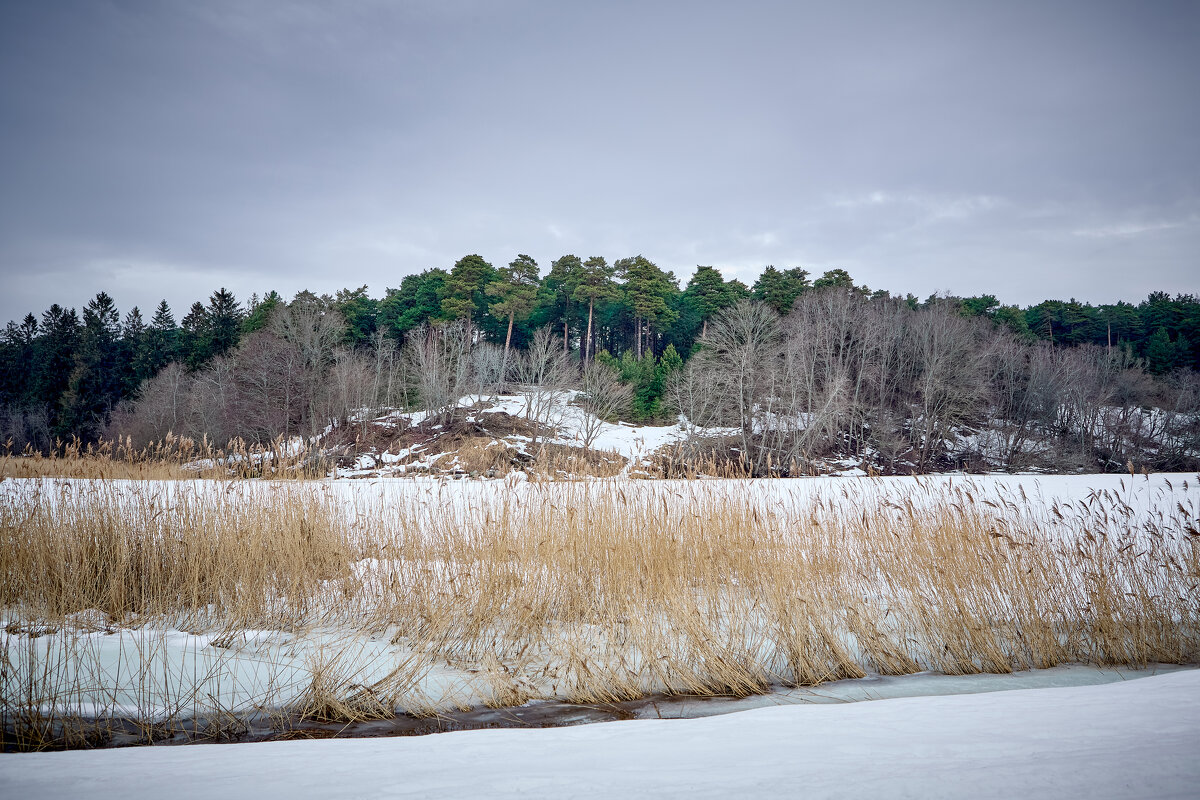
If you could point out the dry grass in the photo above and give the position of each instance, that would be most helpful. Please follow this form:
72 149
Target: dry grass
172 458
597 592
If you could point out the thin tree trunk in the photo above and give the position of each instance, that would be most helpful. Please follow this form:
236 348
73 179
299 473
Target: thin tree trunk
587 347
566 341
507 343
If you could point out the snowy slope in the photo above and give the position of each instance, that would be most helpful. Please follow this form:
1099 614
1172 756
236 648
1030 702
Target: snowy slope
1123 740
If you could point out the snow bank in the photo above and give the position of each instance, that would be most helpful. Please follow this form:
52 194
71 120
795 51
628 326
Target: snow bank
1122 740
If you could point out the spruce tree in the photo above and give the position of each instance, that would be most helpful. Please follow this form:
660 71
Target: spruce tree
224 322
162 339
55 358
194 338
96 380
259 311
134 354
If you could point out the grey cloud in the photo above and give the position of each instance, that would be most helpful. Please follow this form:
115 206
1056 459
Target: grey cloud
1024 149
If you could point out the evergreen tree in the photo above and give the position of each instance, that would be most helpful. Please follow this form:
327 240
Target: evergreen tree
646 377
416 302
708 293
17 361
162 339
258 312
648 291
1160 352
224 322
361 314
1121 323
96 380
55 358
555 295
194 338
595 283
834 278
515 290
134 352
780 288
465 291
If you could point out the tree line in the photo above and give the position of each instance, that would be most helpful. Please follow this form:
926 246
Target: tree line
71 374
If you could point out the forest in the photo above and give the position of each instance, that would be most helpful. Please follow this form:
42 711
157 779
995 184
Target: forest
793 369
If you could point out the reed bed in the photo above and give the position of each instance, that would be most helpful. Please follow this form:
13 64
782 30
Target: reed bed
591 592
170 458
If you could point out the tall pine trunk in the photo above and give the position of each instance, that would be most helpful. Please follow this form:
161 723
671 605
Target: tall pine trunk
587 347
507 343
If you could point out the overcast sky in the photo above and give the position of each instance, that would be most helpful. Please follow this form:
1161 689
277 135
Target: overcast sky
164 149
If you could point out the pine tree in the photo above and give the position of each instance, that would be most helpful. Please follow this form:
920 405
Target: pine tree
55 357
465 290
595 283
708 293
780 288
360 312
17 363
416 302
648 291
515 290
838 278
556 292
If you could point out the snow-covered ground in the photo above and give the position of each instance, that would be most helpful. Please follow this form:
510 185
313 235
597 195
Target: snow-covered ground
1134 739
563 421
1157 495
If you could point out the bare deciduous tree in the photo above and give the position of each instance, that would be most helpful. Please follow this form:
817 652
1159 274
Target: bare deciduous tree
436 358
545 373
743 343
604 399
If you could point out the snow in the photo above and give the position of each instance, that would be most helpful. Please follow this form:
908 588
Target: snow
1158 496
565 419
1133 739
155 673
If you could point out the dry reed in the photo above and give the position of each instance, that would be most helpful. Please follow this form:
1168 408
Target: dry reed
598 592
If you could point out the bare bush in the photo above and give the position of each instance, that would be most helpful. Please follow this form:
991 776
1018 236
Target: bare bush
435 358
603 397
545 373
742 346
